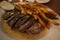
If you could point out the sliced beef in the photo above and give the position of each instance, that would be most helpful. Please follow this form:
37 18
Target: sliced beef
22 21
11 18
7 15
15 16
15 19
27 25
35 29
10 13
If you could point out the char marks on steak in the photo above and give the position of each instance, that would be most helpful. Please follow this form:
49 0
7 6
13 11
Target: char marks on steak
21 21
27 25
15 19
35 29
7 15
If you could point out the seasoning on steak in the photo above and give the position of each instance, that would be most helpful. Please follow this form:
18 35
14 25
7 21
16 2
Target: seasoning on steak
21 21
27 25
7 15
35 29
15 19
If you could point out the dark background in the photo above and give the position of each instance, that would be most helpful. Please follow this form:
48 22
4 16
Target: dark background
53 4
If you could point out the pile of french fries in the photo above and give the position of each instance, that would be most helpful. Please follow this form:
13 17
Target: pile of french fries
36 9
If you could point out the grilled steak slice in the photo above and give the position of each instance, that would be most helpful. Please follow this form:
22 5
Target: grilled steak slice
35 29
15 19
22 21
10 13
7 15
15 16
9 19
27 25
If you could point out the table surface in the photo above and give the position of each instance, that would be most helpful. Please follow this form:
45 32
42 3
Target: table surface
55 30
55 5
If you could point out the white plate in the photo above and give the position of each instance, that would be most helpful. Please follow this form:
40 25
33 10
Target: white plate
40 1
53 33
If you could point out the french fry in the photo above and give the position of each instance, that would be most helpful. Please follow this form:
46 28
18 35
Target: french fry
51 11
47 9
41 22
54 22
34 10
20 8
46 18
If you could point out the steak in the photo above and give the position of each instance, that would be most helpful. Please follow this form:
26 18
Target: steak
21 21
27 25
7 15
35 29
12 21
